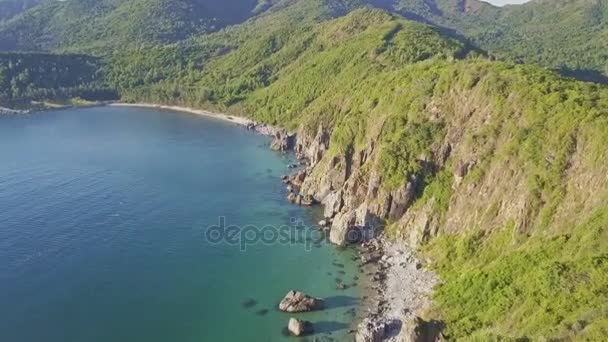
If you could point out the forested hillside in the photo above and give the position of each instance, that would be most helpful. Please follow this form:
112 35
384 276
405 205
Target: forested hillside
10 8
570 35
97 25
43 77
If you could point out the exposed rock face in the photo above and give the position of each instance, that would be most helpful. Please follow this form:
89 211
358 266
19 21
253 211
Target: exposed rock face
333 204
283 141
341 228
296 301
416 329
299 328
312 148
370 330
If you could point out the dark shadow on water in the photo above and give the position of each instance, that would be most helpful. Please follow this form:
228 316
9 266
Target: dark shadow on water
340 302
325 327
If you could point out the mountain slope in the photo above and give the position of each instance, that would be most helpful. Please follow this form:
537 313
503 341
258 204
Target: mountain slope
568 35
96 25
10 8
560 34
44 77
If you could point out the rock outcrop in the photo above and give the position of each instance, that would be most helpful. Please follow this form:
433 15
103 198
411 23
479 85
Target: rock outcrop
370 330
296 301
415 329
343 229
283 140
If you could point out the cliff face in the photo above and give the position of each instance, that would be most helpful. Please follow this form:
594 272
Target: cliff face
484 182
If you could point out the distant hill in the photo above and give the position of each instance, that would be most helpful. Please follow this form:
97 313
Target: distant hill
10 8
45 77
96 25
570 35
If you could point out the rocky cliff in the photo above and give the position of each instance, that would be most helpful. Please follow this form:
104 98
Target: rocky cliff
482 164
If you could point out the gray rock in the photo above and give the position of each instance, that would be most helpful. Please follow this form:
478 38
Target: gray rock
296 301
341 226
298 327
333 203
283 141
370 330
415 329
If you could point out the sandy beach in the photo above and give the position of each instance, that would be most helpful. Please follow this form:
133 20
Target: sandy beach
235 119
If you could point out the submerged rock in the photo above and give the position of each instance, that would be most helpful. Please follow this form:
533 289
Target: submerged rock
248 303
262 312
296 301
298 327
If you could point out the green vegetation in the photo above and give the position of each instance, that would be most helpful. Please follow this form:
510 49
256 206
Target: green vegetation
57 78
97 25
568 35
10 8
506 285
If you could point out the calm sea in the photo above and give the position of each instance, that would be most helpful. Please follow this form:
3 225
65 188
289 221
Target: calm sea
105 215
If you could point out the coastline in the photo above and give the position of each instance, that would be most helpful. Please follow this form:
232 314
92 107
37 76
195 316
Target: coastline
239 120
397 287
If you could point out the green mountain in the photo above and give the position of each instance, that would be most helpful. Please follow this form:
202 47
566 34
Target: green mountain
96 25
562 34
493 170
10 8
568 35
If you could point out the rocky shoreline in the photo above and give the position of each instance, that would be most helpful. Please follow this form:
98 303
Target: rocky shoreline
400 285
401 288
8 111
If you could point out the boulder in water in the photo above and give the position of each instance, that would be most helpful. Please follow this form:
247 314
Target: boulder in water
298 327
296 301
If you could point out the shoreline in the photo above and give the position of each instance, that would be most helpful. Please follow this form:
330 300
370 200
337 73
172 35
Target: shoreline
397 287
400 289
239 120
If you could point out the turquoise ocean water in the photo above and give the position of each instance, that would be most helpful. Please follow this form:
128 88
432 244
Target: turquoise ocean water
103 220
